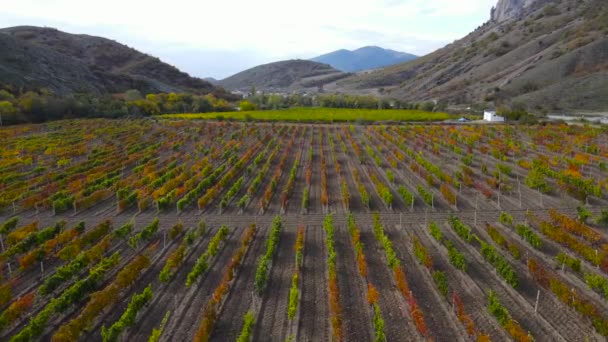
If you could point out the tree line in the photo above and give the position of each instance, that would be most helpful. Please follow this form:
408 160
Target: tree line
263 101
43 105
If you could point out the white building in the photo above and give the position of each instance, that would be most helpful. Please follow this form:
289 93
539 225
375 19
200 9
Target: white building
492 117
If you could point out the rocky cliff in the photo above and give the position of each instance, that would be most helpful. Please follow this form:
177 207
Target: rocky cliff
547 54
510 9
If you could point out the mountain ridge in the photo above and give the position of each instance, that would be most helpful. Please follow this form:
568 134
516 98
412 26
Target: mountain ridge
42 57
548 55
289 75
364 58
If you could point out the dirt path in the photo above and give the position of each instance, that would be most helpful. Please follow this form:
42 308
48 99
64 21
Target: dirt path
441 322
230 319
398 322
485 276
473 297
569 324
357 322
185 318
168 294
272 323
314 310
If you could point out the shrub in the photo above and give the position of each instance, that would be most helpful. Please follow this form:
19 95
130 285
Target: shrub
441 281
248 322
262 271
294 294
201 264
128 317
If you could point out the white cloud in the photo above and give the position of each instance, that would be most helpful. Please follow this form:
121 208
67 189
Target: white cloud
250 32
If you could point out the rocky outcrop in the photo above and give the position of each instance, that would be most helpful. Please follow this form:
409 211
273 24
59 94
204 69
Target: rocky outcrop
509 9
547 54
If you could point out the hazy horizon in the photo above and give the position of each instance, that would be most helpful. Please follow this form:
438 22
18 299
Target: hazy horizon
220 39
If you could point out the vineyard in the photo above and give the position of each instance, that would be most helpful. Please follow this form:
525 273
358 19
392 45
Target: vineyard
193 230
321 115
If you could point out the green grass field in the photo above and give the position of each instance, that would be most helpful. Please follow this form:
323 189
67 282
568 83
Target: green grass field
319 115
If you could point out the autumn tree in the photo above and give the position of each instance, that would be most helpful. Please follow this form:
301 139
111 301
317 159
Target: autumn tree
246 106
8 112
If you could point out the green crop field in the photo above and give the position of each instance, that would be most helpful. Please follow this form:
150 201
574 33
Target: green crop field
320 115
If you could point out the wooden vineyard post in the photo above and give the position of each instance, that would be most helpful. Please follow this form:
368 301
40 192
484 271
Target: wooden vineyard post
573 295
536 304
10 270
499 196
256 302
519 190
596 257
1 243
475 218
520 205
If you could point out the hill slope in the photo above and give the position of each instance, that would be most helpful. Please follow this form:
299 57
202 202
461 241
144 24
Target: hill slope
283 76
365 58
547 54
66 63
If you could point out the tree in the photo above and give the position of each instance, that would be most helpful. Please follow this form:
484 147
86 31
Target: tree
143 107
246 106
7 112
133 95
6 96
32 106
219 105
428 106
202 105
275 101
173 97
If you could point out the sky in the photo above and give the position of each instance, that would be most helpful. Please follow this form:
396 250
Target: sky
222 37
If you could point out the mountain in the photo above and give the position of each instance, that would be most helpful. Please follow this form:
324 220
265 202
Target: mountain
365 58
284 76
546 54
211 80
35 57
